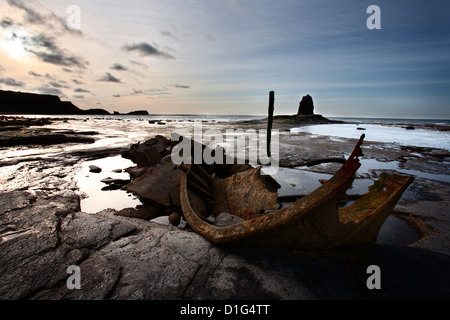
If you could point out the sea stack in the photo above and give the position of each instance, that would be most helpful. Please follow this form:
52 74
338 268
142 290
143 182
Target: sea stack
306 106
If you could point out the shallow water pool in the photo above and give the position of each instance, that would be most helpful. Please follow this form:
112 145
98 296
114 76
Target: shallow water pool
90 185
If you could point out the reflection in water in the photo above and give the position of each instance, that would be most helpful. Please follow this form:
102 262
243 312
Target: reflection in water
90 185
381 133
395 231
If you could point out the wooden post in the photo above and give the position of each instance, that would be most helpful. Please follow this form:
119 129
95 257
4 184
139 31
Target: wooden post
270 120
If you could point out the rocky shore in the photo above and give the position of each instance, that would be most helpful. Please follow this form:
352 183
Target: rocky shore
17 131
43 231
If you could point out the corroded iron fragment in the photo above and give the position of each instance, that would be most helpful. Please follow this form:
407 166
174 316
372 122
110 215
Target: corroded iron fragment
311 222
249 193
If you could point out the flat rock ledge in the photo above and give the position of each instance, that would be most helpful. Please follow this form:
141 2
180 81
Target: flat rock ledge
128 258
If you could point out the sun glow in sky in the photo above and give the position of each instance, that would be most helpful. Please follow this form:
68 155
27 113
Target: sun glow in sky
224 56
10 44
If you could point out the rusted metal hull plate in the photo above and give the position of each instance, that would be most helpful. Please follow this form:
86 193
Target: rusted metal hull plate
312 222
247 194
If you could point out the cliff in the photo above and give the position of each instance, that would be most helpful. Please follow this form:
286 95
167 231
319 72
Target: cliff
12 102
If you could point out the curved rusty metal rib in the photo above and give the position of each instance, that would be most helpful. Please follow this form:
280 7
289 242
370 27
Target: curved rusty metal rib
329 191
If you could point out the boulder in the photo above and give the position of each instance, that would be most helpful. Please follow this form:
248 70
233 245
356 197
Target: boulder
95 169
159 184
148 153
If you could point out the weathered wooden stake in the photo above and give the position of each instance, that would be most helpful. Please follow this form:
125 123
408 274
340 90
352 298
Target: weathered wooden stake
270 120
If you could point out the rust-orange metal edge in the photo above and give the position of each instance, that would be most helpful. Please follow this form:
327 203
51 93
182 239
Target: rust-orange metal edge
291 226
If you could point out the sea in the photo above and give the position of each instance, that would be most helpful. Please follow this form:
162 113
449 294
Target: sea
433 133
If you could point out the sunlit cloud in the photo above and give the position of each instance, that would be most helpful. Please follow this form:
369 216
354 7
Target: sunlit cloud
47 20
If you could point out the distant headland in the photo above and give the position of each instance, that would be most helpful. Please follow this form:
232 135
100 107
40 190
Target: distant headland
12 102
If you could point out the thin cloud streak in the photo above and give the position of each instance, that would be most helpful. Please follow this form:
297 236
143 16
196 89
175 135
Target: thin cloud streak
147 50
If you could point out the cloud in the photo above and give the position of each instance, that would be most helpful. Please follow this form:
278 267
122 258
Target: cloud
157 91
116 95
6 22
34 74
108 77
80 90
79 96
45 89
48 20
58 85
59 58
118 67
31 15
181 86
38 32
139 64
11 82
168 34
47 50
146 50
2 68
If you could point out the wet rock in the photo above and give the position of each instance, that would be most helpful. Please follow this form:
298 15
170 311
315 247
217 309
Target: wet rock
441 154
23 122
227 219
42 139
146 211
299 120
95 169
136 172
112 186
148 153
159 184
120 182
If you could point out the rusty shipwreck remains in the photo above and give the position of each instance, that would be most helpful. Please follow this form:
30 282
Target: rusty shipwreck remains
236 204
311 222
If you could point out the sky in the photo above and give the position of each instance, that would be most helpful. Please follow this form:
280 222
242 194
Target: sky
225 56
